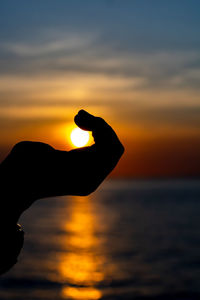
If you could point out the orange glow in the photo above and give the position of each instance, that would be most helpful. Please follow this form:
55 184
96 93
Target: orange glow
81 293
82 265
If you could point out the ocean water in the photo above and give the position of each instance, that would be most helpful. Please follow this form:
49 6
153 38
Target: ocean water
128 240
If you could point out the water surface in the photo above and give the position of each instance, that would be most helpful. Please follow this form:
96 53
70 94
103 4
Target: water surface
128 240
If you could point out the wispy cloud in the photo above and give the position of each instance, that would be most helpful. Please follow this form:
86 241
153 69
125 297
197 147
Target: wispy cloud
137 65
84 55
47 45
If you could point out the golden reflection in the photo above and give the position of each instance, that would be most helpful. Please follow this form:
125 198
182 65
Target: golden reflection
83 293
82 265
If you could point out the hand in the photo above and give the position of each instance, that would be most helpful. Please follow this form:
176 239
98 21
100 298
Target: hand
35 170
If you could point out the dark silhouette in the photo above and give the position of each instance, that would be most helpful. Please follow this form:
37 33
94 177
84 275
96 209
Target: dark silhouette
35 170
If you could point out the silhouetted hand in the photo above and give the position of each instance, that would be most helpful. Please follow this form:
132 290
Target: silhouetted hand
35 170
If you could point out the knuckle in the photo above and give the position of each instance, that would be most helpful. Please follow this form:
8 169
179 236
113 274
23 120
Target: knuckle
20 146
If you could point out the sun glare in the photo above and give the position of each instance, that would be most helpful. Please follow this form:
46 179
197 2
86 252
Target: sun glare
79 137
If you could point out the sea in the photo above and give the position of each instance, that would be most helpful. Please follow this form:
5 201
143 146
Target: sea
130 239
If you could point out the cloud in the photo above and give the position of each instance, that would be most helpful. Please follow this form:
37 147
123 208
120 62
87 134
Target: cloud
64 70
44 46
65 54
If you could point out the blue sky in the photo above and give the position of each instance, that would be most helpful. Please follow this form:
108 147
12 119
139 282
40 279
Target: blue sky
136 62
162 34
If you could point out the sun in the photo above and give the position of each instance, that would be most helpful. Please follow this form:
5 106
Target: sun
79 137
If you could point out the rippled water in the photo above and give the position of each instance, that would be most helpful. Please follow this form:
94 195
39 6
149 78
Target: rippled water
129 240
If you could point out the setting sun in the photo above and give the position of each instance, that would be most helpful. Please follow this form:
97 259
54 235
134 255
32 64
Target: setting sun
79 137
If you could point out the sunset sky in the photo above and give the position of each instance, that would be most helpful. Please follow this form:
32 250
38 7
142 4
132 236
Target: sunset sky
135 63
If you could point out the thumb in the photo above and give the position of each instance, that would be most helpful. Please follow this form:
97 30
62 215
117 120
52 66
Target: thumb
88 122
102 132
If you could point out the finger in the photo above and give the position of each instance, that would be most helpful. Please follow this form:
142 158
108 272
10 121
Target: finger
102 132
86 121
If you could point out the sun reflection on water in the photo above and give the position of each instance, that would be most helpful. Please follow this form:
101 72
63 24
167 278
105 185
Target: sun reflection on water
82 265
81 293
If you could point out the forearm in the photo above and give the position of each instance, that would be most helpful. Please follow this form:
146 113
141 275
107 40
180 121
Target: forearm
10 210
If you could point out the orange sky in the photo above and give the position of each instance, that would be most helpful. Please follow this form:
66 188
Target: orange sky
136 70
153 147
